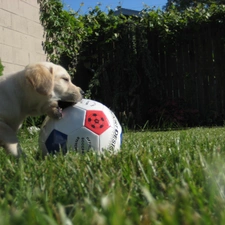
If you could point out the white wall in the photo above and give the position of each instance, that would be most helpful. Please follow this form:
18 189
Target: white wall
21 34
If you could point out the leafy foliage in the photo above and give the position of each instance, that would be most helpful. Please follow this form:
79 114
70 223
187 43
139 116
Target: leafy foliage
184 4
111 57
63 32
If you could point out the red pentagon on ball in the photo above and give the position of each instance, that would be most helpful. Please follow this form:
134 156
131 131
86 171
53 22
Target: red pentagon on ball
96 121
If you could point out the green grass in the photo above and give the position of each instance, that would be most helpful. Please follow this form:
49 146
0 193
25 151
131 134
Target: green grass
173 177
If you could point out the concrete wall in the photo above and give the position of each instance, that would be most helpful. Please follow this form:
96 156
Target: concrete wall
21 34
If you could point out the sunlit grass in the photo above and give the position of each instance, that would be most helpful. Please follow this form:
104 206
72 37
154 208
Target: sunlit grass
173 177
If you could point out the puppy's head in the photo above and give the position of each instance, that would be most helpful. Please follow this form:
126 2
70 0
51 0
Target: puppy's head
64 90
54 81
40 77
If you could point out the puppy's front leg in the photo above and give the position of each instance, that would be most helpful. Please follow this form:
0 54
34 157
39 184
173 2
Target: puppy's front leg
54 111
9 140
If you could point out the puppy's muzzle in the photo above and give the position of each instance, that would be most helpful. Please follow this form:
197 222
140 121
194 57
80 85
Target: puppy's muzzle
66 103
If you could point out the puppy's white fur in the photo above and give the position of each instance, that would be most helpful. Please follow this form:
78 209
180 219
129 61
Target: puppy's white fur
33 91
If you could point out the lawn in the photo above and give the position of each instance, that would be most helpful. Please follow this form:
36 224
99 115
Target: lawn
170 177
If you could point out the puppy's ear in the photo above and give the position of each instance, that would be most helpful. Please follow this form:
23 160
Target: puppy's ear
40 77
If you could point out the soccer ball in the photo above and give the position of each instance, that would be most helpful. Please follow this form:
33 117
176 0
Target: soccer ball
87 125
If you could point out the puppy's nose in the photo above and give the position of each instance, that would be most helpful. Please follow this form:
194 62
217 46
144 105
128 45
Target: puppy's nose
82 92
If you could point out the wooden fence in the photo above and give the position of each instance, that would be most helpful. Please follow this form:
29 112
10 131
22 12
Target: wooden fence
193 69
190 69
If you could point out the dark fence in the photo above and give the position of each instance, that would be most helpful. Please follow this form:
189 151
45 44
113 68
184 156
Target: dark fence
193 69
143 76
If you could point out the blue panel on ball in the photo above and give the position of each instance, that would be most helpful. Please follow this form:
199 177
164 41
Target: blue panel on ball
121 138
56 142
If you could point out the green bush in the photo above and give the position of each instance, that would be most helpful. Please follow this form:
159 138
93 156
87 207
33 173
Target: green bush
122 60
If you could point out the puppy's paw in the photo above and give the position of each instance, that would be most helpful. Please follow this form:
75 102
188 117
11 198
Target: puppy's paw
58 113
14 149
55 113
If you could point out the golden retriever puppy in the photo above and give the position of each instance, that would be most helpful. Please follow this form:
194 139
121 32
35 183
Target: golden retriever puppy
36 90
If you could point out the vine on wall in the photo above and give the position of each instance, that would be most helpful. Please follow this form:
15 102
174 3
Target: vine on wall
1 68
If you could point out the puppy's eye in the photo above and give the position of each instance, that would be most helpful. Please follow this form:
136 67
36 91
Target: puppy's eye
65 79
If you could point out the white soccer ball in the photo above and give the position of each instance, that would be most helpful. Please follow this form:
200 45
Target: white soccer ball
87 125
